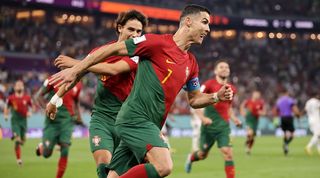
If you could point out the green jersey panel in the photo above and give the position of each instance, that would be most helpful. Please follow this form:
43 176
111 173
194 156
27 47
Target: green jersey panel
218 123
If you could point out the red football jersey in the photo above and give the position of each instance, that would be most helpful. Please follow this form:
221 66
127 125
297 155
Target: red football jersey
20 104
222 107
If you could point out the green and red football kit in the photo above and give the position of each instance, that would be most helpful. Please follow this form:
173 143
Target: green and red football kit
219 130
252 115
164 69
59 130
111 93
19 108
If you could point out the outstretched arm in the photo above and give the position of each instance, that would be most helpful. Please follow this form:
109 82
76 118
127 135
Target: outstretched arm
102 68
70 75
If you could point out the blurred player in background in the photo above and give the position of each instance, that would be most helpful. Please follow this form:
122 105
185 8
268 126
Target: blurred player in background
286 108
196 125
59 131
166 67
19 103
252 109
215 122
313 113
114 85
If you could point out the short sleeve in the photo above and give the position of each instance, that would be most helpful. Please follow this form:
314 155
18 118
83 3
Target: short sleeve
143 46
132 62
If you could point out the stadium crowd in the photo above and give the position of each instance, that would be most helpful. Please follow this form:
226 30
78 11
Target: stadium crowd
244 7
265 64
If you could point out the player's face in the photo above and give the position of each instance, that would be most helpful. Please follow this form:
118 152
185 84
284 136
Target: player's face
199 27
256 95
132 29
222 70
19 86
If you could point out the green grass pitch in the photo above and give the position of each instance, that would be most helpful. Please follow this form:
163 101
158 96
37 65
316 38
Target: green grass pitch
266 161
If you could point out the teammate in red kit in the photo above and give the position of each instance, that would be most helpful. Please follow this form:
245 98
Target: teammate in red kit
215 122
252 109
59 130
114 86
165 67
19 103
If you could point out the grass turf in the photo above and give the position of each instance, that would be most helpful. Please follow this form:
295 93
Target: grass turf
266 161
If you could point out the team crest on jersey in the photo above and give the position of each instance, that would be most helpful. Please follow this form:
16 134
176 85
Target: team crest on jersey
96 140
187 72
47 143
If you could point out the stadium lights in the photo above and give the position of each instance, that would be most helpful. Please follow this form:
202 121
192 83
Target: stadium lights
279 35
23 15
293 36
260 35
64 16
318 36
78 18
271 35
85 18
313 36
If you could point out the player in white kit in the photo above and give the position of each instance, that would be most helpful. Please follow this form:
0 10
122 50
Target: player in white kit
195 124
313 112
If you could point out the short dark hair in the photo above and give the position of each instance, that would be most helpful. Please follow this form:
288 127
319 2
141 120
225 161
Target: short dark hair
193 9
220 61
125 16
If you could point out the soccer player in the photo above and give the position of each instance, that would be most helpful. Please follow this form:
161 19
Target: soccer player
19 103
286 108
252 109
196 125
165 67
114 85
313 112
215 122
59 130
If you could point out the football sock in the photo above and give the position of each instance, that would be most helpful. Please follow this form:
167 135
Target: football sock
141 171
17 150
63 161
101 170
229 169
194 156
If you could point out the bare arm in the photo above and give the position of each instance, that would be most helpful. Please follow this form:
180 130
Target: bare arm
296 111
70 75
102 68
204 120
234 118
200 100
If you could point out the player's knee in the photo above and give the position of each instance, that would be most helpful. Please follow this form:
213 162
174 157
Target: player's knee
164 169
227 153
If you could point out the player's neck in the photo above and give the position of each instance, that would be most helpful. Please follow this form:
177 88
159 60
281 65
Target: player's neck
222 81
181 39
20 94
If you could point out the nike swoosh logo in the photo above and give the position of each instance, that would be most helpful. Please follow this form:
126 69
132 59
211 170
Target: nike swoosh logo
170 62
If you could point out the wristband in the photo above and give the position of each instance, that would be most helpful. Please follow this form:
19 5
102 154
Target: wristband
215 97
56 100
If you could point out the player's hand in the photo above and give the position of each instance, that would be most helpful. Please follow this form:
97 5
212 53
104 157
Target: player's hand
206 121
225 93
29 114
64 62
51 111
67 76
237 122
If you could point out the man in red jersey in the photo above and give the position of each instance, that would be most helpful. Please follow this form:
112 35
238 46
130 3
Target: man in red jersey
215 122
165 67
114 85
252 109
19 103
59 131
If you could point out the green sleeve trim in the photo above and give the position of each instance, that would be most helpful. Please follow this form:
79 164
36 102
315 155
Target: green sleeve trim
131 47
229 163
